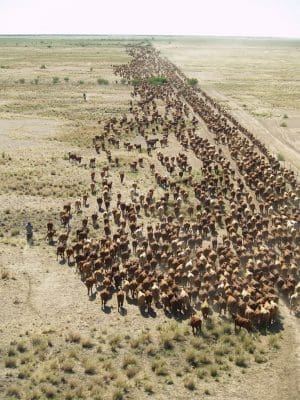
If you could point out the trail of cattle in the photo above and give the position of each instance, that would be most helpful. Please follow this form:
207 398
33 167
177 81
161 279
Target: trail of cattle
217 231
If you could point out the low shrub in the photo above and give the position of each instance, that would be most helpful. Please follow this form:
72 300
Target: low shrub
10 362
148 387
22 347
74 337
102 81
131 371
90 367
213 371
68 366
157 80
14 391
192 358
87 343
192 82
159 367
241 361
128 360
260 359
189 383
166 341
280 157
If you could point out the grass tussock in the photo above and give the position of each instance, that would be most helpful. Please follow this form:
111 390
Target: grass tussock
14 392
90 367
159 367
74 337
242 361
189 383
10 362
87 343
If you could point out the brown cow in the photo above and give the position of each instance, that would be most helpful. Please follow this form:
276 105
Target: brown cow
242 323
196 324
105 295
90 282
120 299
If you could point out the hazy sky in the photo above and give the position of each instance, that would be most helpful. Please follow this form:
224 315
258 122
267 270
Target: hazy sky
167 17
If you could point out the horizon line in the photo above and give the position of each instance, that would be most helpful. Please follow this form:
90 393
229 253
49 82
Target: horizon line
149 35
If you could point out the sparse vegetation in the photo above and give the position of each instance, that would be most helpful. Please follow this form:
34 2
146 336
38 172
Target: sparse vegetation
55 80
74 337
157 80
90 367
241 361
87 343
10 362
102 81
190 383
192 82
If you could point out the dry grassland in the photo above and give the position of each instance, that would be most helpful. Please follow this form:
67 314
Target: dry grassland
56 343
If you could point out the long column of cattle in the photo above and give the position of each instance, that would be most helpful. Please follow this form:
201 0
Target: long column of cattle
226 236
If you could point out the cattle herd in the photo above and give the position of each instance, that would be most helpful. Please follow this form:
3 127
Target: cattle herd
218 229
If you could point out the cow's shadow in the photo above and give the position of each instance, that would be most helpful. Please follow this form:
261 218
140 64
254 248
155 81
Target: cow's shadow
107 309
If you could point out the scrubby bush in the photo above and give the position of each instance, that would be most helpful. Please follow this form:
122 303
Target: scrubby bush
90 367
189 383
241 361
260 358
280 157
55 80
15 232
159 367
192 82
157 80
87 343
102 81
135 82
14 391
192 358
74 337
10 362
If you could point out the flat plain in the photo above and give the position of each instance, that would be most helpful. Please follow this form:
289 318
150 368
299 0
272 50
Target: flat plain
55 341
